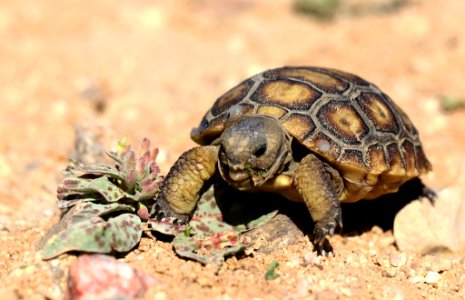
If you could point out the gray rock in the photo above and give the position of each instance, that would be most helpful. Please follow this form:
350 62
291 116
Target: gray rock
423 228
276 234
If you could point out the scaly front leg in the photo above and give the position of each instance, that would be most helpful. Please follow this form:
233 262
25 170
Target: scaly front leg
180 190
318 190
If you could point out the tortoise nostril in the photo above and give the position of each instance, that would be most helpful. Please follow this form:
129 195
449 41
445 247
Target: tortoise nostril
260 150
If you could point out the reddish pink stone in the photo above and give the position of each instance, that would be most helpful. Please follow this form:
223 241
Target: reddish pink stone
104 277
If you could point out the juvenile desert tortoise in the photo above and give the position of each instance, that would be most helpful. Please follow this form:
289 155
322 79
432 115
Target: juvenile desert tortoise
316 135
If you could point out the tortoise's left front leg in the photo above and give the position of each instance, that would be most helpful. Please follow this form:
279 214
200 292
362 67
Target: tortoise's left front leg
180 190
319 190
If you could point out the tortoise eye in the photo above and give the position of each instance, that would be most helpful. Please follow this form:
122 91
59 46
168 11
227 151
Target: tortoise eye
204 123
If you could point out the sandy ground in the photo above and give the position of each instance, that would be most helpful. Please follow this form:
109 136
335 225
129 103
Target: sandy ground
159 65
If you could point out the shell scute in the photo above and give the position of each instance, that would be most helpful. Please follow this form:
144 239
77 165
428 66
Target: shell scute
377 158
342 120
286 93
272 111
396 162
408 153
323 145
351 78
299 125
353 158
422 162
378 111
322 81
232 97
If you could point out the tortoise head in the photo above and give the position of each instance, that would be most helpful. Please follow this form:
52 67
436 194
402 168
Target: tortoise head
252 150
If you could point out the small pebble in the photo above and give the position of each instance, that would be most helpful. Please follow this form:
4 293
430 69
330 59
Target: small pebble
55 262
203 281
432 277
346 292
389 272
350 259
393 292
386 241
416 279
363 260
372 252
302 288
326 295
382 261
398 260
377 230
160 296
310 258
438 264
293 262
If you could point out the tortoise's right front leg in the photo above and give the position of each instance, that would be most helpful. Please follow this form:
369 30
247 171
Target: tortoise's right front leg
180 190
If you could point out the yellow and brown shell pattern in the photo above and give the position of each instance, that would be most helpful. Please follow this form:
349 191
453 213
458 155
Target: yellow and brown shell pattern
341 117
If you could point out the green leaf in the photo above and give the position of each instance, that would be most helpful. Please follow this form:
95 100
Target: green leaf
187 232
451 103
126 231
101 170
91 227
77 186
271 270
107 189
322 9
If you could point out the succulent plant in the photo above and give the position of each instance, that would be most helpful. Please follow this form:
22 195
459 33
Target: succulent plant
103 207
132 179
106 208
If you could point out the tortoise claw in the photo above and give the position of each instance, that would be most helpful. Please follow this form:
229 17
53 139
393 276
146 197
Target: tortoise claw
162 212
324 228
429 194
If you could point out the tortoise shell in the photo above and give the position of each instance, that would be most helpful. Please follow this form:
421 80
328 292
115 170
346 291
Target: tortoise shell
347 121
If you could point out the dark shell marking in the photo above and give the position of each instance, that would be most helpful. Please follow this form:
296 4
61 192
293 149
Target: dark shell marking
343 118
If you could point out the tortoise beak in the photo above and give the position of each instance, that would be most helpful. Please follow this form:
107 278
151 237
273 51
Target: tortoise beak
238 175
